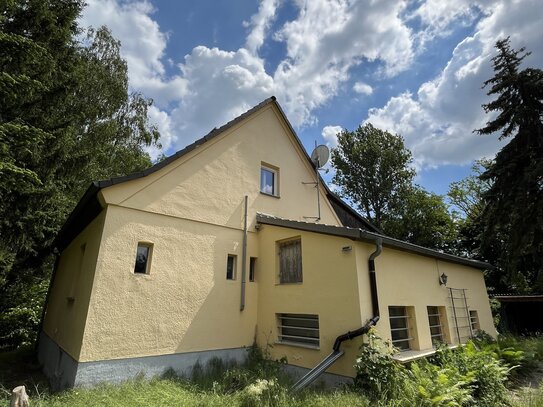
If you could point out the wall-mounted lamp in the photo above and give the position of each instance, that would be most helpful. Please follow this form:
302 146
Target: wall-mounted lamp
443 279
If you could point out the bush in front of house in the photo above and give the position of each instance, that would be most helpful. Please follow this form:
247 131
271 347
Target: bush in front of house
464 376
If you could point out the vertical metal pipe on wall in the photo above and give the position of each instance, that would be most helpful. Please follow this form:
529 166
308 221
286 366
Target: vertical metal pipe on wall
244 258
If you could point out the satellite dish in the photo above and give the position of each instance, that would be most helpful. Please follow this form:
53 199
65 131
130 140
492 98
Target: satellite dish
320 155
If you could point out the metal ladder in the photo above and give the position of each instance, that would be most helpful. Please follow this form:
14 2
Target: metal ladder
460 313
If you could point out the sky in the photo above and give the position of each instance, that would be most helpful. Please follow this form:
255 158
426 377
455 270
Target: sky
412 67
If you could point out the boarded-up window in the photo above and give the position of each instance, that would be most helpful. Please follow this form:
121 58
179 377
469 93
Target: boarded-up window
290 262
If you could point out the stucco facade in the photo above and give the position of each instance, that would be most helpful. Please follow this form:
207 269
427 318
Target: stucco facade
190 212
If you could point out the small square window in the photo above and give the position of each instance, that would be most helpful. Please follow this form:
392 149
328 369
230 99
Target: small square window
268 181
143 256
231 267
252 268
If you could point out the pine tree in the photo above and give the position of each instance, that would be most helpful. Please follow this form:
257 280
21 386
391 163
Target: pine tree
513 212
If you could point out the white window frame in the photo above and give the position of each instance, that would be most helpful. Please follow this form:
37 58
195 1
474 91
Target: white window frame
305 327
275 172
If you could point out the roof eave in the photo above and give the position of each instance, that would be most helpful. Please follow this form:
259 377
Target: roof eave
363 235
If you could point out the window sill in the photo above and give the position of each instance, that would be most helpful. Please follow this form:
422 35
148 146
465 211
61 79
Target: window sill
279 284
411 355
297 345
270 195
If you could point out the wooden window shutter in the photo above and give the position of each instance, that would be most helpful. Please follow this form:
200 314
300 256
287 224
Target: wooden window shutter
290 262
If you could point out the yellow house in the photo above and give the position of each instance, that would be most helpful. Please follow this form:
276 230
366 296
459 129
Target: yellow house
230 242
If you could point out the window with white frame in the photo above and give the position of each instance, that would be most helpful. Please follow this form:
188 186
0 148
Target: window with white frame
399 327
436 327
143 258
269 181
290 261
298 329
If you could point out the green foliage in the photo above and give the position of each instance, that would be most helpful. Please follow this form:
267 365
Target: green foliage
512 219
423 219
479 367
19 323
464 376
378 375
263 393
372 169
438 386
66 119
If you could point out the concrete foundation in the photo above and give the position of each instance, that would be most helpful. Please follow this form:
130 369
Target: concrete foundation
64 372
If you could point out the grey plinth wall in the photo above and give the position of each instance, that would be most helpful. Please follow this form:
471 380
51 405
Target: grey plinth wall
64 372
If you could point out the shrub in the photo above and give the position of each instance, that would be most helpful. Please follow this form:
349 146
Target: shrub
378 375
486 373
438 386
263 393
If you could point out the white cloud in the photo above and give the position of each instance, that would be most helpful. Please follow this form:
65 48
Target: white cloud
163 122
324 42
260 24
438 121
327 40
329 133
362 88
142 45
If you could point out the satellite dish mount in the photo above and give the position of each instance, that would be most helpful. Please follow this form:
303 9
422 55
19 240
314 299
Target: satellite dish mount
319 157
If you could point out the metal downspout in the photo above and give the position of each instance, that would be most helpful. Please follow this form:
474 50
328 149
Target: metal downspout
374 299
244 259
314 373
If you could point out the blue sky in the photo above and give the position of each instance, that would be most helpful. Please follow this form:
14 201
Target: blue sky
411 67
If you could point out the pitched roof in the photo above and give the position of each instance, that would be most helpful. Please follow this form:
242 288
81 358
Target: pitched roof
364 235
89 207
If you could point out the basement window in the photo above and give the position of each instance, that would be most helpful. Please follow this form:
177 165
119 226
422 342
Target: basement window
290 262
399 328
143 258
298 329
436 328
231 267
